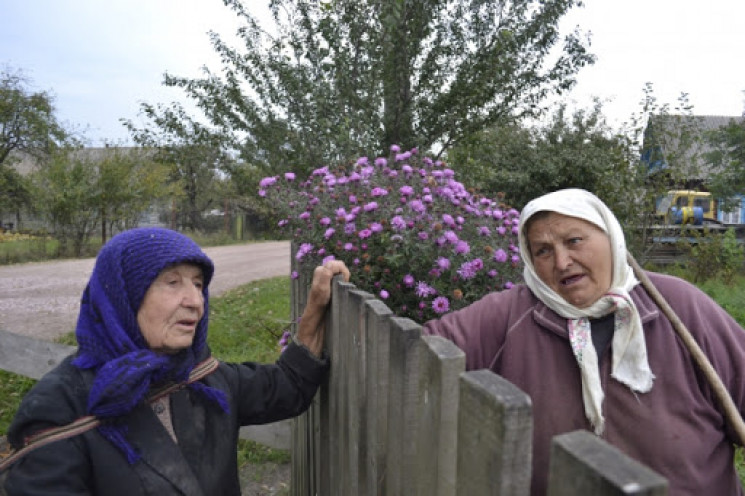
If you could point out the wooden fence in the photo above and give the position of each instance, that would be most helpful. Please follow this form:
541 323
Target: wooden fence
399 416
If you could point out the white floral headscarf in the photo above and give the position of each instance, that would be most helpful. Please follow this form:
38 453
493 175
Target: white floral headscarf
630 365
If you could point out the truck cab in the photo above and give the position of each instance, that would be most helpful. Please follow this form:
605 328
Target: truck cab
687 207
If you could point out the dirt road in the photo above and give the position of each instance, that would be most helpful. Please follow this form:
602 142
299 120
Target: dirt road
41 300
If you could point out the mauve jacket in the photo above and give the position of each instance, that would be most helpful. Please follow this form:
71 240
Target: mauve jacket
677 428
203 463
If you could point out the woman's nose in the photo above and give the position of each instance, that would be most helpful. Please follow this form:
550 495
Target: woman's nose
563 259
192 296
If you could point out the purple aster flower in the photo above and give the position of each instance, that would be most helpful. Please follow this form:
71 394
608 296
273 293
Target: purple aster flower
417 206
440 305
364 234
398 223
329 232
350 228
348 246
462 247
294 275
325 221
369 207
283 222
352 199
483 231
384 294
290 176
515 259
408 280
423 289
327 259
378 192
406 190
266 182
466 271
500 256
362 161
448 220
492 273
304 216
262 193
381 162
443 263
477 263
508 285
451 237
423 235
376 227
395 148
501 230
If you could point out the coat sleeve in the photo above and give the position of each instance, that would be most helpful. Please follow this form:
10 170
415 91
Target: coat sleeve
478 329
720 337
269 393
61 467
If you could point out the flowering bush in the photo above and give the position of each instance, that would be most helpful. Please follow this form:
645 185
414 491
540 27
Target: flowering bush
408 231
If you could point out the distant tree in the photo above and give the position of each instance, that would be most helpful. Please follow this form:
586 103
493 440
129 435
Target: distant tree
27 120
195 156
569 151
27 125
78 190
128 182
350 77
65 186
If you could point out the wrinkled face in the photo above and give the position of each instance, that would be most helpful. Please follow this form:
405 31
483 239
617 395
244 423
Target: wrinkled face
572 256
172 308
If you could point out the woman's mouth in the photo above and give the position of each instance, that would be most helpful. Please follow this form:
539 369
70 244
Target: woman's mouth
567 281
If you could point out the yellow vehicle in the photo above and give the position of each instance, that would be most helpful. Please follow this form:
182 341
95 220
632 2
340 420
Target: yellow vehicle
687 207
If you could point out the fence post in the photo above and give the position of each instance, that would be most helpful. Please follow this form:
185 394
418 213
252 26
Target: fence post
442 362
495 432
582 463
377 365
351 331
402 406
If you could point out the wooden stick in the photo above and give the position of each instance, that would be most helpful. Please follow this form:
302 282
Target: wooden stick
730 409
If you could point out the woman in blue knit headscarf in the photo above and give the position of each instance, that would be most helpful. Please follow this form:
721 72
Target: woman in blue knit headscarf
143 327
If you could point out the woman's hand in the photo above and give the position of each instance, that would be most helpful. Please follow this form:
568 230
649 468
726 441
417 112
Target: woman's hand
311 328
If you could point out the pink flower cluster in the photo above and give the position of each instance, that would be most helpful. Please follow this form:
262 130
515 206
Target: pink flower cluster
409 231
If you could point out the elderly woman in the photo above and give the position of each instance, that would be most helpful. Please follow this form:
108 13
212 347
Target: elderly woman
142 327
584 339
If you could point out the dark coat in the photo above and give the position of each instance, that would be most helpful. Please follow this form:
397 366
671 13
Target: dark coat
203 462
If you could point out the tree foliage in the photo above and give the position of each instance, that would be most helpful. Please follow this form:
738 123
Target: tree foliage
728 160
343 78
27 120
77 191
194 155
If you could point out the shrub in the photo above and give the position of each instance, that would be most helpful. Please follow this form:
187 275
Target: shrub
712 254
409 232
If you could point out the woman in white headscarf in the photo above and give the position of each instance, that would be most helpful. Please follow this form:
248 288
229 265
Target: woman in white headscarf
588 344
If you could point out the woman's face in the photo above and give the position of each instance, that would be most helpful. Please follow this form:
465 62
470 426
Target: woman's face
572 256
172 308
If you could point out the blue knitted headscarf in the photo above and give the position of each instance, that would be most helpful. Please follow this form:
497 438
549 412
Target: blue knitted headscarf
109 338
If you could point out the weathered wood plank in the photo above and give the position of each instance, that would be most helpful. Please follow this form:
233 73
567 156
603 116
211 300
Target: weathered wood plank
441 364
403 406
377 367
495 429
582 463
30 357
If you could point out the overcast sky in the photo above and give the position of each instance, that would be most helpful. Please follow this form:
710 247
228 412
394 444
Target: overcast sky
101 58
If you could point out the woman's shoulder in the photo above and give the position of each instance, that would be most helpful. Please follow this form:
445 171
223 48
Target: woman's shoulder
58 398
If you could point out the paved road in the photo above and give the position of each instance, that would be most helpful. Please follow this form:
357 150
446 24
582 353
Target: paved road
41 300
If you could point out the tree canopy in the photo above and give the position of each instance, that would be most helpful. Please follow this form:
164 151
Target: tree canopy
343 78
27 120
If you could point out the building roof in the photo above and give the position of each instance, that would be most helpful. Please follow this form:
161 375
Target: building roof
679 142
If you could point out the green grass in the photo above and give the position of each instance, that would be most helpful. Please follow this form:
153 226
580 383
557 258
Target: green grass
245 325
